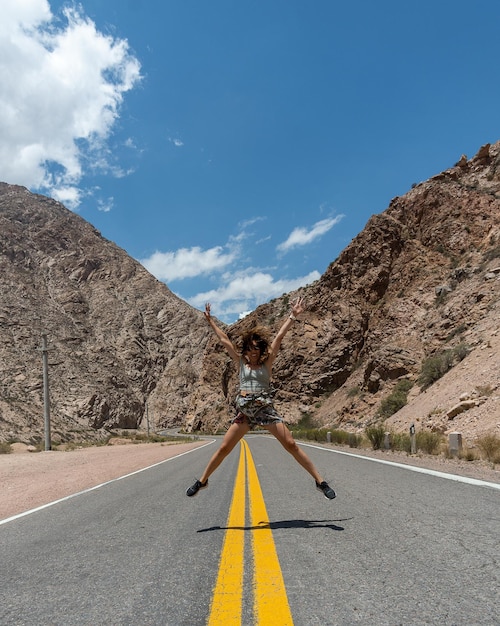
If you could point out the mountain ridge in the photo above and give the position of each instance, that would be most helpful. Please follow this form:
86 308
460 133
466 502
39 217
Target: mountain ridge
421 278
418 279
115 333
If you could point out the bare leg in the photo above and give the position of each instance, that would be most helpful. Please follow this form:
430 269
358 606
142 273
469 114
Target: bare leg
284 436
234 433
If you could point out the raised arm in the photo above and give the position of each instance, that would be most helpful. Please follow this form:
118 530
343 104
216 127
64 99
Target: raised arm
298 307
223 338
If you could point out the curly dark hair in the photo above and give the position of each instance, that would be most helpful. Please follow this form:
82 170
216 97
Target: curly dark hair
260 336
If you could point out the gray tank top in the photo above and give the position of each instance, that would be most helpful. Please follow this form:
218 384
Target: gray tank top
254 380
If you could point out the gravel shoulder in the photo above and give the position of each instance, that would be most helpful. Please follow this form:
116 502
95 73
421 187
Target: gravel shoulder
480 470
29 480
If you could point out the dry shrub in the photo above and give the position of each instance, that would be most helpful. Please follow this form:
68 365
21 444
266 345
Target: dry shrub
489 445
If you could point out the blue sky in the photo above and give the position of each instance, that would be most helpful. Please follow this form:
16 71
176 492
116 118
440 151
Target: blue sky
236 148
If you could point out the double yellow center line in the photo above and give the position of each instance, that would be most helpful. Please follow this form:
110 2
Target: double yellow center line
270 600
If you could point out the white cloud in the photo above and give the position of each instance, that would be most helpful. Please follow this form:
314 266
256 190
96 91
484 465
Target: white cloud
60 96
301 236
240 286
244 292
18 15
187 262
69 196
250 222
105 206
193 262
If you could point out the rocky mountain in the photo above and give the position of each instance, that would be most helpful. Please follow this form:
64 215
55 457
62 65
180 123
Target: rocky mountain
420 282
121 344
418 286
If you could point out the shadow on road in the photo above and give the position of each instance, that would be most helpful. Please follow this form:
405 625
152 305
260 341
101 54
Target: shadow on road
289 523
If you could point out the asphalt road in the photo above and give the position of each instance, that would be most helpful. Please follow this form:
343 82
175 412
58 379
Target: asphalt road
395 547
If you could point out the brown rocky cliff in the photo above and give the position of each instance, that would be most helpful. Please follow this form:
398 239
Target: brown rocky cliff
118 338
422 277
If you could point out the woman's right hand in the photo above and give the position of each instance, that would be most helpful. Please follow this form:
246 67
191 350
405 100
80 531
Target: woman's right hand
207 311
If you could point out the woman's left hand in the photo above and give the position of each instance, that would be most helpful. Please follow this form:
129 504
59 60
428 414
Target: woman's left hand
298 306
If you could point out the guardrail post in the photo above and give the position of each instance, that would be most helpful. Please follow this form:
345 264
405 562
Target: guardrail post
455 443
413 440
387 441
46 396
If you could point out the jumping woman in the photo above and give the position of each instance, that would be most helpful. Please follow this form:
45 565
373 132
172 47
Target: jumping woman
254 405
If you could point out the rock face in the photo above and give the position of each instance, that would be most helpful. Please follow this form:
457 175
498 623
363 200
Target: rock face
117 337
421 279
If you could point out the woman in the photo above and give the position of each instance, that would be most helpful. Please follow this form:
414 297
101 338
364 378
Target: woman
254 404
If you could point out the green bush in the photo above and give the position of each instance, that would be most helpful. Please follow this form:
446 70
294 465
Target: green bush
340 437
5 448
396 400
354 440
392 404
376 436
310 434
318 434
404 385
401 442
428 441
467 454
306 422
490 447
434 368
461 351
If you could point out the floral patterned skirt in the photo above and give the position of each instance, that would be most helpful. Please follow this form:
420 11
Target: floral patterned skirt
256 410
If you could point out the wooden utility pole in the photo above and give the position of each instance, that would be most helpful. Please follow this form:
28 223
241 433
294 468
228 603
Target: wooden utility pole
46 397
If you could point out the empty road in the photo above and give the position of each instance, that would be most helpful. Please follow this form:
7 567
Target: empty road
259 546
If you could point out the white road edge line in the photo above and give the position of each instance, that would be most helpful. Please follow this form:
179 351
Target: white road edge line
108 482
412 468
